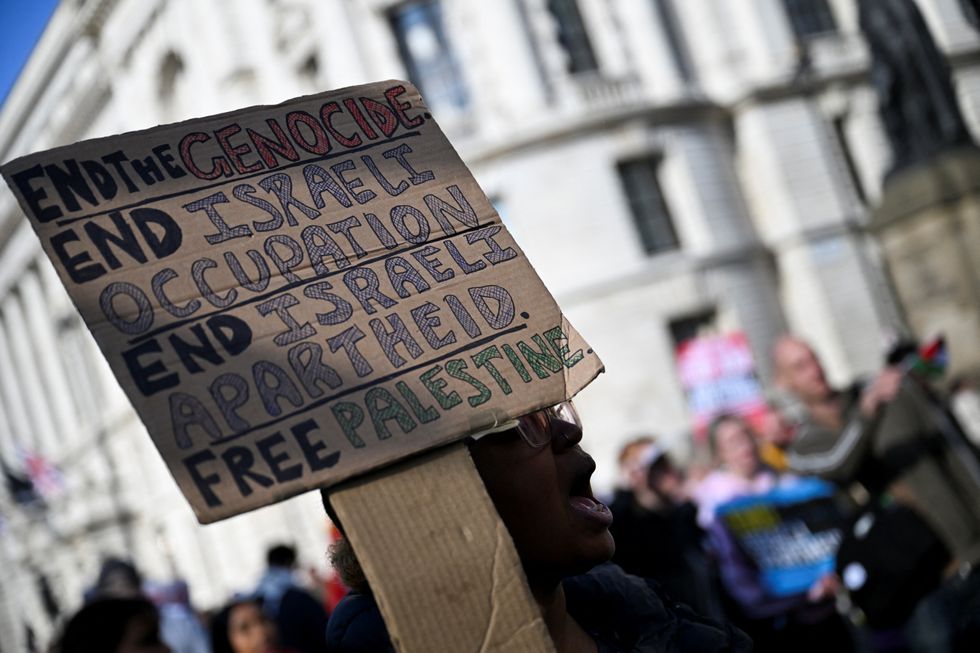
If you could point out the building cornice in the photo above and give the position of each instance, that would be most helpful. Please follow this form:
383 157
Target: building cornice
693 109
817 82
685 111
663 267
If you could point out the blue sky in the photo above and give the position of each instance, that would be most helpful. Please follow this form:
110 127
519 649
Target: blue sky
21 23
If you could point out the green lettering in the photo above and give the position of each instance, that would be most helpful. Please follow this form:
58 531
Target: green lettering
435 386
425 414
383 407
539 360
455 369
350 417
554 336
516 362
483 358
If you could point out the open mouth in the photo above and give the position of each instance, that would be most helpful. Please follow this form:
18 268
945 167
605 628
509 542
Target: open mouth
584 503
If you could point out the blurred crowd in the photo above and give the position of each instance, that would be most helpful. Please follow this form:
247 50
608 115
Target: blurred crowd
282 613
840 519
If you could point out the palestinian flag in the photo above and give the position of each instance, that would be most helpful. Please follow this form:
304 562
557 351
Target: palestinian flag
930 360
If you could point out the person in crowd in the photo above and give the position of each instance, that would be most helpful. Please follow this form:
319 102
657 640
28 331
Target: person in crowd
655 529
299 617
799 373
179 625
243 627
629 457
803 621
538 478
113 625
117 578
775 436
891 438
738 469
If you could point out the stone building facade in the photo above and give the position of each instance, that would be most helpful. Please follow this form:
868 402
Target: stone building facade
670 167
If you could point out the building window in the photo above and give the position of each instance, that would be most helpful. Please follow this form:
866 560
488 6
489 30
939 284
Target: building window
810 17
426 52
573 36
675 39
693 326
647 204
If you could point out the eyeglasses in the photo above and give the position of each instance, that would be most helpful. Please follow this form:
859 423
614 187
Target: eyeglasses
538 429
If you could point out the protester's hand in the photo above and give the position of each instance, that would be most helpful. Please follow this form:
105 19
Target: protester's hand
826 587
880 391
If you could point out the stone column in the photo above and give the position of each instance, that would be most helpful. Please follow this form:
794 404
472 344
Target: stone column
45 344
10 388
805 210
716 230
45 437
7 453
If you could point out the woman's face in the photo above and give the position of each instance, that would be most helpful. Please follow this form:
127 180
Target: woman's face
736 448
249 631
544 497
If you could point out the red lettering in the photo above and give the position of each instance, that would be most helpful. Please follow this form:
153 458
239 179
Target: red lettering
392 96
328 110
382 116
361 120
235 152
266 146
320 144
220 165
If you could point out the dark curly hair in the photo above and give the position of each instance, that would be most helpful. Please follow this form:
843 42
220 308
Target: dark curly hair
342 556
101 624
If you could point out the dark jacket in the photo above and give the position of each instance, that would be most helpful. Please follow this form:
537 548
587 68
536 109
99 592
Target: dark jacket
302 622
623 613
666 545
300 619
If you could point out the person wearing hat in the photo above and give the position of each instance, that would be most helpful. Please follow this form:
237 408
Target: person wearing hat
537 476
656 530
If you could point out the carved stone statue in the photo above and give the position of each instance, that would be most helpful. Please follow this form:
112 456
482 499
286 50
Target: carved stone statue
915 95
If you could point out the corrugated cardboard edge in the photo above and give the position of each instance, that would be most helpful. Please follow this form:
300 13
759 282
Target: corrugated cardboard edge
578 377
441 564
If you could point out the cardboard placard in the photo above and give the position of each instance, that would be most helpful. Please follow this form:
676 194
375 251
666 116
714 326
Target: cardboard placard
296 294
791 533
439 561
718 375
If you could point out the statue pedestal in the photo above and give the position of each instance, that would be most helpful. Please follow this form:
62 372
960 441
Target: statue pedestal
928 225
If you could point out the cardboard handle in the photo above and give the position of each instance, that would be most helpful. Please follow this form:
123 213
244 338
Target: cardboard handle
441 564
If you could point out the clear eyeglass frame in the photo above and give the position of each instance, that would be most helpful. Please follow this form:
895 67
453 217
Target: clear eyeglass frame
538 429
